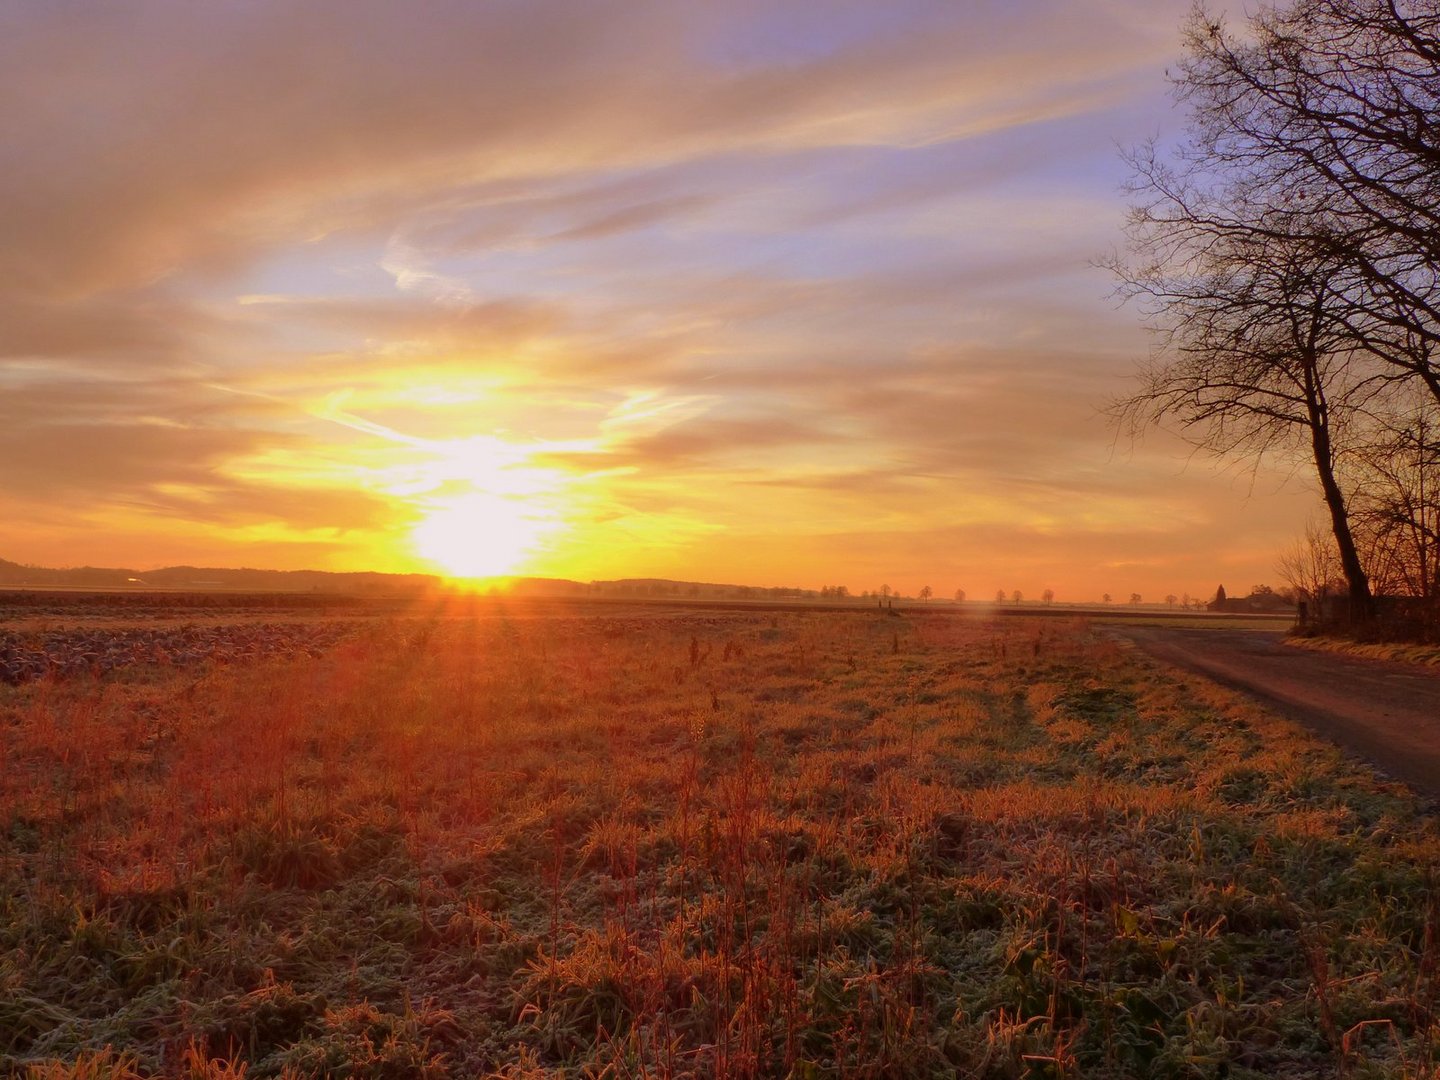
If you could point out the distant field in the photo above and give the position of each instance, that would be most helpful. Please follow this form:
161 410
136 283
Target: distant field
664 842
1195 620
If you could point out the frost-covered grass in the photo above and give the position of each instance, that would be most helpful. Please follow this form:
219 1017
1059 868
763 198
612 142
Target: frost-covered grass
701 844
1373 650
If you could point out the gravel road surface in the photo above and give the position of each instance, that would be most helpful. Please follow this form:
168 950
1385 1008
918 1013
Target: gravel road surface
1386 712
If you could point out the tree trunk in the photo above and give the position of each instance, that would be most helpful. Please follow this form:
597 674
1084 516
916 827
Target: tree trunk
1362 604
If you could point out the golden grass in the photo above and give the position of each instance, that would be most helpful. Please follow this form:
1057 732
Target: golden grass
1374 650
701 844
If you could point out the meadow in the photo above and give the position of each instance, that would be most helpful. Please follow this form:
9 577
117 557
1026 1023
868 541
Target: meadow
649 842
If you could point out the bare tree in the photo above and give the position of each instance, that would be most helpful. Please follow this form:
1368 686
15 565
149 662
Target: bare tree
926 592
1134 599
1017 596
1324 113
1311 567
1398 506
1048 596
959 596
1269 338
1170 600
999 596
1252 362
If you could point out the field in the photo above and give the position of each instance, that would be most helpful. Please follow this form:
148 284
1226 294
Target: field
640 841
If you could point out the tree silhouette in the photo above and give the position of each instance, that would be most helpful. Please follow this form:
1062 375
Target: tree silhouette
1134 599
1397 508
1289 252
959 596
1323 114
1310 566
1017 596
999 596
1170 600
1048 596
926 592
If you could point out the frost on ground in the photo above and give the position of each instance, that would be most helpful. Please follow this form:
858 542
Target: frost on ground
700 844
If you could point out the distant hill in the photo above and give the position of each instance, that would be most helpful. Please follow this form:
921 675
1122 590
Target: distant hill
368 583
209 577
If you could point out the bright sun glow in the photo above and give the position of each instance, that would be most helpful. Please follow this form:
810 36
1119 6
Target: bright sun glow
487 507
479 535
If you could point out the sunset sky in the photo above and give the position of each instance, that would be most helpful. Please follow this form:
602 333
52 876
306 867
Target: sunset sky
779 294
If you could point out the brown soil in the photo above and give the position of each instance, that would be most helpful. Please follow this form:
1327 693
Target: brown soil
1388 712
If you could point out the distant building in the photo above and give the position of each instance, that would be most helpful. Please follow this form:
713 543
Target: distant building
1262 601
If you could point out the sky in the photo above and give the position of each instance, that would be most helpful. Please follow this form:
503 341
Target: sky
795 293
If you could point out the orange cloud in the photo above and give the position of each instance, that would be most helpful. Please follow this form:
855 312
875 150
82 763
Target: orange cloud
771 291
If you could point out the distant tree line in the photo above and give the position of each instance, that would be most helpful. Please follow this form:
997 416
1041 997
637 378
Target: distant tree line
1288 258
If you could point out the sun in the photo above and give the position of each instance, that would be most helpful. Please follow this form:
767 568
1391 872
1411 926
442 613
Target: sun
479 535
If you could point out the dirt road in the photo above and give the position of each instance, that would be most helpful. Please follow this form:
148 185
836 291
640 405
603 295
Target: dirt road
1387 713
